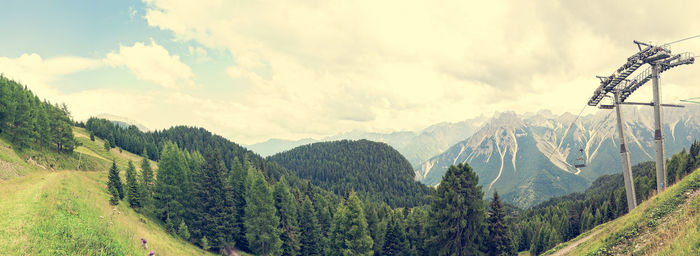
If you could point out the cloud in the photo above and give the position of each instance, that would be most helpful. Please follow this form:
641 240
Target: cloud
393 65
199 52
32 69
153 63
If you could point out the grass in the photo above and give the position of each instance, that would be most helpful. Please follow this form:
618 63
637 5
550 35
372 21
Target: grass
47 212
67 213
96 149
667 224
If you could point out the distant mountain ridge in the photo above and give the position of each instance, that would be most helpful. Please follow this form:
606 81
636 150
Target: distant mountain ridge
529 158
415 146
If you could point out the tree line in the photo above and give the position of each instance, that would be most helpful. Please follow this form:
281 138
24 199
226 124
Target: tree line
562 218
199 200
28 122
374 170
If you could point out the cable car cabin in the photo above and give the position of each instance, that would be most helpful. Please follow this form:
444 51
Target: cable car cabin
581 160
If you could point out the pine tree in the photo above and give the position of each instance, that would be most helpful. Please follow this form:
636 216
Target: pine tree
325 220
112 141
183 231
417 230
114 180
107 146
133 194
92 136
499 242
457 213
395 238
349 232
114 199
212 209
204 243
261 222
171 184
146 179
237 179
310 230
287 212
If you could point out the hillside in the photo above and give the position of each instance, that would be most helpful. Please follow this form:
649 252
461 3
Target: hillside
417 147
529 158
371 169
59 211
667 224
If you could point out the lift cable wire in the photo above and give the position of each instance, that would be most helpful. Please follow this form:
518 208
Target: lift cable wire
567 131
681 40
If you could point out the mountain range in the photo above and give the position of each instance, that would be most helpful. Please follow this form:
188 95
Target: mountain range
417 147
529 158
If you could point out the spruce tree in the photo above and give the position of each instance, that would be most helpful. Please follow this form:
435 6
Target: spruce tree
114 198
204 243
310 230
237 179
499 242
133 194
349 232
107 146
212 208
395 238
287 212
114 180
171 184
183 231
146 179
261 222
457 213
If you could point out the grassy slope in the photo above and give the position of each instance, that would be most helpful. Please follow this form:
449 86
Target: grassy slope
666 224
46 212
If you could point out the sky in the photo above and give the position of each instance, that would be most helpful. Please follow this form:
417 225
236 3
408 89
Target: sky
255 70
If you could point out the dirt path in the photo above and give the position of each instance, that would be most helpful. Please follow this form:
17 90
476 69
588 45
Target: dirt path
566 250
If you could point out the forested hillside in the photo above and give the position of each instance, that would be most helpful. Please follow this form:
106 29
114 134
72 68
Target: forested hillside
29 122
562 218
187 138
372 169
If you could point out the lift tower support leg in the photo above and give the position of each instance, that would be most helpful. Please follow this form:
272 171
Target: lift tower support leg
658 133
625 155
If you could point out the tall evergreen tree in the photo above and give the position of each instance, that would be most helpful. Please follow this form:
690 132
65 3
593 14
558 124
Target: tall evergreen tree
310 230
261 222
212 203
457 213
395 238
147 183
114 195
349 232
287 212
237 179
171 184
499 242
114 181
133 194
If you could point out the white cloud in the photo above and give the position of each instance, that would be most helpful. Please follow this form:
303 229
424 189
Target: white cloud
394 65
32 69
153 63
304 68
